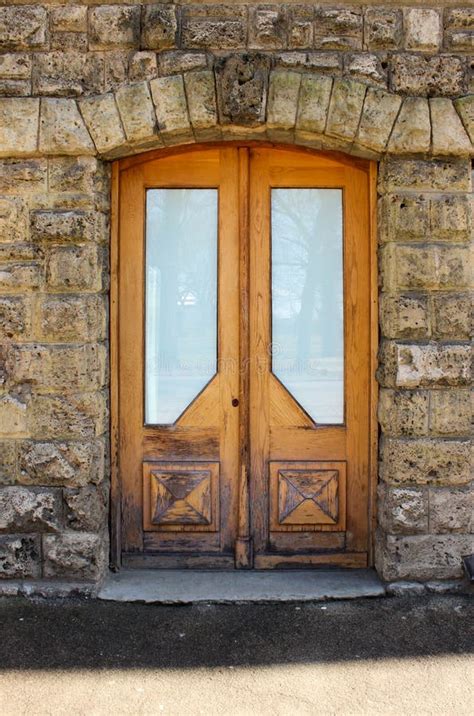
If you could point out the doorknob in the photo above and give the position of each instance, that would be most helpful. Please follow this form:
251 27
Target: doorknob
235 402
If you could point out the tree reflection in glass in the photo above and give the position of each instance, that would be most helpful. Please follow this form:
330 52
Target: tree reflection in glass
307 299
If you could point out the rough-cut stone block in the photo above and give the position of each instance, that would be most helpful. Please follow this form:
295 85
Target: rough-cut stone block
19 120
403 510
23 176
62 225
78 416
76 175
459 29
13 417
465 109
202 103
7 462
15 318
282 101
313 103
171 109
403 412
75 268
338 28
404 316
114 26
86 508
116 69
422 29
451 218
56 367
378 116
159 26
242 82
75 555
34 509
70 18
136 111
15 66
412 131
300 26
366 67
452 316
267 27
72 318
20 556
142 66
404 217
23 28
70 464
69 41
345 108
62 129
451 412
68 73
20 277
13 225
422 556
383 28
438 76
425 174
425 462
173 61
103 122
451 510
417 268
449 136
220 27
418 366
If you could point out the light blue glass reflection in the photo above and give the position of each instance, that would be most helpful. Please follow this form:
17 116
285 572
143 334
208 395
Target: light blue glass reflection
307 299
181 299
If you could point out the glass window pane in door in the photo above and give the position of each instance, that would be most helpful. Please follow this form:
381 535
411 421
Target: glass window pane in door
181 299
308 300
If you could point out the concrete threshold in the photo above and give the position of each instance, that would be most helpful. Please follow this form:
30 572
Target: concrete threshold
167 586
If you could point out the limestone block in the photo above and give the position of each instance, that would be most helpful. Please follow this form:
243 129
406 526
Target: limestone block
439 76
242 82
404 316
378 116
451 218
79 416
364 66
86 508
71 318
13 221
422 29
451 510
20 277
338 28
136 111
465 109
20 556
15 318
403 510
15 66
404 217
173 61
451 412
412 131
300 26
69 41
23 176
425 174
68 72
72 464
30 509
159 26
7 462
459 29
62 129
434 267
75 555
171 109
114 26
345 108
70 18
23 28
422 556
116 69
419 366
75 268
103 122
75 175
220 27
383 28
320 62
61 226
403 412
142 66
267 27
452 316
13 417
202 103
425 462
313 103
449 136
56 367
19 120
282 106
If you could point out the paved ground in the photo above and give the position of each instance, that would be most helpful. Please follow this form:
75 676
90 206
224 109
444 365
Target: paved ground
374 656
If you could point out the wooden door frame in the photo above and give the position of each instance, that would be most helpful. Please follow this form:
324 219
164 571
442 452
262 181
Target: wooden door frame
114 328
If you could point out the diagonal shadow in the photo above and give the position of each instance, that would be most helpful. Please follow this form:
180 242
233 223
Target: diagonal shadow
89 634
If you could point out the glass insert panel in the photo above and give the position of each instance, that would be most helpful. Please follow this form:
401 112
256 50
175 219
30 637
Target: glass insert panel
181 299
307 299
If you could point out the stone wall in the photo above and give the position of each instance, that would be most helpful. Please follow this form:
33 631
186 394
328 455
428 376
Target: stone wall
81 84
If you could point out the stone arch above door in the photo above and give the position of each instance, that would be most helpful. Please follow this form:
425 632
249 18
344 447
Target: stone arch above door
240 99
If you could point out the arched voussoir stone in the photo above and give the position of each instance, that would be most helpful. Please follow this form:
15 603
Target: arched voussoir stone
199 105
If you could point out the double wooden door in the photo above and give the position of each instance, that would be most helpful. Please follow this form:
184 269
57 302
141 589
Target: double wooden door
244 358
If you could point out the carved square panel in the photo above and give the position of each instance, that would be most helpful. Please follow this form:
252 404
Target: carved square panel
180 497
307 496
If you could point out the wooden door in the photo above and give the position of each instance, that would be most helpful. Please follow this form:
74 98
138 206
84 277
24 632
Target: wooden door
225 458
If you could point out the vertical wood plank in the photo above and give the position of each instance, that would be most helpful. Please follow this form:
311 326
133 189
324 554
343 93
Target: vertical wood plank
374 339
115 489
